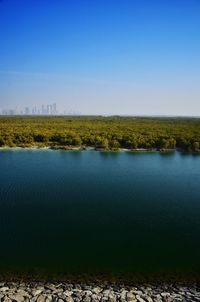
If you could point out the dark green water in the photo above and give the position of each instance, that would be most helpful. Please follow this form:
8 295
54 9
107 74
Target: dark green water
93 212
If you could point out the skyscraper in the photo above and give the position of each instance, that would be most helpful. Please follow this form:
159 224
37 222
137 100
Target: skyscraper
26 111
54 108
43 110
48 109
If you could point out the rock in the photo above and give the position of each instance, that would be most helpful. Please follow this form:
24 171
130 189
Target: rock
96 290
96 299
69 299
111 298
23 293
167 299
7 299
148 299
165 294
67 293
88 292
86 287
130 297
78 297
139 299
59 285
36 292
86 299
49 298
61 296
4 289
106 292
57 292
137 292
51 287
157 298
17 297
123 294
41 298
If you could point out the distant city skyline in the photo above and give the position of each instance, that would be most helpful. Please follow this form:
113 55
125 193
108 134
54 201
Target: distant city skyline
48 109
101 57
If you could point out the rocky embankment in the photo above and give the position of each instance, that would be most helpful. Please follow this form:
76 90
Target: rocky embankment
60 292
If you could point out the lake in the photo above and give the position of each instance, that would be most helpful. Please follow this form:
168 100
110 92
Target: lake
90 212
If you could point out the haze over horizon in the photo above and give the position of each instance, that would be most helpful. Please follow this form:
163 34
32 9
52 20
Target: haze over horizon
131 57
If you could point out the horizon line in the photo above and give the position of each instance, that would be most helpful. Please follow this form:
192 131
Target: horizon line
101 115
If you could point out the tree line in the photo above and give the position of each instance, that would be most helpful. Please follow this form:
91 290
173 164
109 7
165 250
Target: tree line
101 132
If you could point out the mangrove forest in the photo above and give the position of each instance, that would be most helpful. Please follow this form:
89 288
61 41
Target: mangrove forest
109 133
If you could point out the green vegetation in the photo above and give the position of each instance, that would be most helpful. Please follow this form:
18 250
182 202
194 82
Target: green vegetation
101 132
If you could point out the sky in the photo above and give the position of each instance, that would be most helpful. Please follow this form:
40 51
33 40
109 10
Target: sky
124 57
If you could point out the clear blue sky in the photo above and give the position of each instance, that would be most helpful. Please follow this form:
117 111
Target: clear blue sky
101 56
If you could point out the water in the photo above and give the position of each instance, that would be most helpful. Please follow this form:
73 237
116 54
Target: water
98 212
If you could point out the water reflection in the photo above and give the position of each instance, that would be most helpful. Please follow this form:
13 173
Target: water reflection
109 154
120 212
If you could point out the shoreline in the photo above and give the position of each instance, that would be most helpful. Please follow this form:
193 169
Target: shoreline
97 292
90 148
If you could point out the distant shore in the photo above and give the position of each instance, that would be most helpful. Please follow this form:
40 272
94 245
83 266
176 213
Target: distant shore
68 148
83 148
101 133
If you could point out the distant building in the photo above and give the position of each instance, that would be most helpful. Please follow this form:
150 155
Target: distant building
26 111
4 112
48 109
11 112
43 110
54 108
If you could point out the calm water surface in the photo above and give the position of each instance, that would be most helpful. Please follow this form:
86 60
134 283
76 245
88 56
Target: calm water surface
96 212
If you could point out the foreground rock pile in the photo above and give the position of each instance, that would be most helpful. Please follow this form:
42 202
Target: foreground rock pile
105 292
